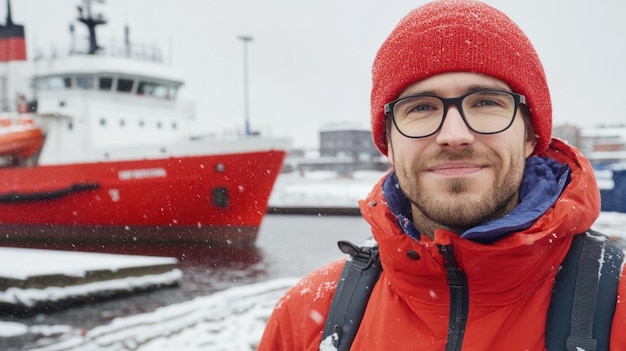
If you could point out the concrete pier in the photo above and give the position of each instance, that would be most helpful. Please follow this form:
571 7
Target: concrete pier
34 280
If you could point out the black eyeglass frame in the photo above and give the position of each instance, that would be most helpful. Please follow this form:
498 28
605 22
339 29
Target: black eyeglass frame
458 102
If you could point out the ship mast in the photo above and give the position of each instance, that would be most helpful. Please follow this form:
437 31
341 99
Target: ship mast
9 19
84 16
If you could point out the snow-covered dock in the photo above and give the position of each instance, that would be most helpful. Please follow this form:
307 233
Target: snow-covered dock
32 280
321 192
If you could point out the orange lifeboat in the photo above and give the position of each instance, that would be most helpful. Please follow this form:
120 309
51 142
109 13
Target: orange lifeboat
19 138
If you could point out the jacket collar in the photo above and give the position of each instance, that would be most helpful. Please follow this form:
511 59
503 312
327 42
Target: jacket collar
543 181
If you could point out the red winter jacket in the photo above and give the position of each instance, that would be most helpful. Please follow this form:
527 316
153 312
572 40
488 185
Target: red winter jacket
510 281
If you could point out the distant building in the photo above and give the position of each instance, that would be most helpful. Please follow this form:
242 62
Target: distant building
569 133
343 140
345 148
604 145
601 145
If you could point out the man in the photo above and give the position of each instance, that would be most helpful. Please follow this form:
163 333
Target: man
461 107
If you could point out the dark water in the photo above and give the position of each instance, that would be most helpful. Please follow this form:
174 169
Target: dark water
287 246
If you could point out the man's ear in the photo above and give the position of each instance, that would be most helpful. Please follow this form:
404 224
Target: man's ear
530 135
388 125
531 138
389 150
531 142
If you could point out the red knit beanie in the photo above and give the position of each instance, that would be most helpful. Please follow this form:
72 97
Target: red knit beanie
459 36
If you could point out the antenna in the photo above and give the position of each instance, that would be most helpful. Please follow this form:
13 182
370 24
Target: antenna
84 16
127 40
73 39
9 19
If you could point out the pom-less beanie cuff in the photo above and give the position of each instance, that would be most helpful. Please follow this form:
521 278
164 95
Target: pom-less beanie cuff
459 36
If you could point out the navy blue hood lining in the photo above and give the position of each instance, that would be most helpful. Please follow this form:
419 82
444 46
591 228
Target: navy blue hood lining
543 182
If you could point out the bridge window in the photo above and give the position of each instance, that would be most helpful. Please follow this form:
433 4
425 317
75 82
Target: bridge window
157 90
84 82
172 93
55 83
124 85
145 88
105 83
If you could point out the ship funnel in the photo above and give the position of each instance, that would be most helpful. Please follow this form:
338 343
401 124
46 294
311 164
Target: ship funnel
12 40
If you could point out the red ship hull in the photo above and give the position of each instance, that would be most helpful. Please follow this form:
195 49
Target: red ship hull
174 206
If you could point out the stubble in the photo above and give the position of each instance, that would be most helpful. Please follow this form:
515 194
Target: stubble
455 209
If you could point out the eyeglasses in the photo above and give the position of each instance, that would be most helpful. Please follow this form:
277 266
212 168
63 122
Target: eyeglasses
484 112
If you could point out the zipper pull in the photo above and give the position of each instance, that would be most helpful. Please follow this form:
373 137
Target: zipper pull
454 276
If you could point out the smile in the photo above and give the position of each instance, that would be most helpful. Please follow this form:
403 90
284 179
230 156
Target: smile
456 169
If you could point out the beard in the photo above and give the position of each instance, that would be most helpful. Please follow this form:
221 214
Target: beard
453 203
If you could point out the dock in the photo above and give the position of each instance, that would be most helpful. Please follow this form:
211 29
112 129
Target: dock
314 211
34 280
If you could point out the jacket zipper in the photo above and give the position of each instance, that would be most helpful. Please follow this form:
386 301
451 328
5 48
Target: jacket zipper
459 299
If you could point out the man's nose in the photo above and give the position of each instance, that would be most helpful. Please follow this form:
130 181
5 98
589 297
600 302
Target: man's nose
454 132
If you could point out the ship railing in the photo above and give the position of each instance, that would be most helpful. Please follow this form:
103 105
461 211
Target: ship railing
137 51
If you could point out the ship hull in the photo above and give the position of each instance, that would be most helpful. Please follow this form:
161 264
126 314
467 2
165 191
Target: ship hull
171 206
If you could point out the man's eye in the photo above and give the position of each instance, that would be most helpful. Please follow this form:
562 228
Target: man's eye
486 103
421 108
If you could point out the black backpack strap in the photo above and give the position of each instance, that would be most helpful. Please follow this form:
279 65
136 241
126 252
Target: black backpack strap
354 288
584 296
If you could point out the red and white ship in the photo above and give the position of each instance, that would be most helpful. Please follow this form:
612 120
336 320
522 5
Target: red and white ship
97 156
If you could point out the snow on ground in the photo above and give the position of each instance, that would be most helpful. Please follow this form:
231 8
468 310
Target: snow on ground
322 189
16 265
232 319
34 297
70 263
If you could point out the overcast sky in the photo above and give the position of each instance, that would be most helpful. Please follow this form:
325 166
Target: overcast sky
310 62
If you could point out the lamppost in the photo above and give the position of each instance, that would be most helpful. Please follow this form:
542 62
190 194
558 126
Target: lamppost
246 107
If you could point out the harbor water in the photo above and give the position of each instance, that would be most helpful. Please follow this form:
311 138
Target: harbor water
287 246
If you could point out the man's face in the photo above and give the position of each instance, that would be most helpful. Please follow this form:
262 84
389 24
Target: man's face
457 179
